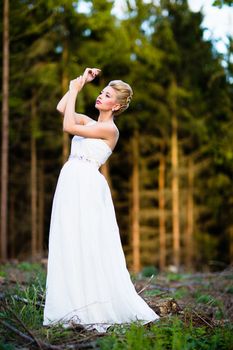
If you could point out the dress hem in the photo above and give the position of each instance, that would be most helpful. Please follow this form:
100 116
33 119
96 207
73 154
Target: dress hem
99 327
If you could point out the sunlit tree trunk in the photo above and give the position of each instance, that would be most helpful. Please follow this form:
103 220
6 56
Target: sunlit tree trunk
12 230
162 219
231 244
65 148
34 227
135 203
5 131
190 217
41 194
175 181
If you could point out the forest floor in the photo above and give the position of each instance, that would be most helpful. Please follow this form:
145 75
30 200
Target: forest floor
196 313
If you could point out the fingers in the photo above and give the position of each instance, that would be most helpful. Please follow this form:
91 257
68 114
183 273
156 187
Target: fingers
92 71
88 75
96 71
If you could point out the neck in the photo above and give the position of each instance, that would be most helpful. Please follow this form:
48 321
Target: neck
105 117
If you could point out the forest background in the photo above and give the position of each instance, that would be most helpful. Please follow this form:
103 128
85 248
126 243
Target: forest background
172 170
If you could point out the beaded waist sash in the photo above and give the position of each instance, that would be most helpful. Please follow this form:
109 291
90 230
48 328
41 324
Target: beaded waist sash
84 159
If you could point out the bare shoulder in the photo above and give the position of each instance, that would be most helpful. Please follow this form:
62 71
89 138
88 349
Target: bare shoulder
110 127
116 128
116 131
113 135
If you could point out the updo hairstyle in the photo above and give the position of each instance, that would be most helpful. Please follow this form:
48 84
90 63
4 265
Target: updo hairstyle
124 94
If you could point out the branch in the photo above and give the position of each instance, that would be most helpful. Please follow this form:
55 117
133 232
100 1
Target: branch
201 318
147 285
24 300
24 326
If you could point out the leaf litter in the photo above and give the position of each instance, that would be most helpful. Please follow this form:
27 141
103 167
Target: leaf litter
197 299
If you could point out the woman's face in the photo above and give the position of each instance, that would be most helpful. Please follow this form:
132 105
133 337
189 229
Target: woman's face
107 100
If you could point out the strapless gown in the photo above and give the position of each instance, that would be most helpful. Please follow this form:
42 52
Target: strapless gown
87 279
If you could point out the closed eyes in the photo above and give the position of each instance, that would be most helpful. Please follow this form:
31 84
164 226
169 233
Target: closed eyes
107 94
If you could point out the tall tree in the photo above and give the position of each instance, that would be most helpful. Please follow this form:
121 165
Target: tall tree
175 176
162 217
135 203
34 188
189 239
5 131
41 209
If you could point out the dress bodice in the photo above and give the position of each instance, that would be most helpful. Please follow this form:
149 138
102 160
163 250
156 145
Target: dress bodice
90 149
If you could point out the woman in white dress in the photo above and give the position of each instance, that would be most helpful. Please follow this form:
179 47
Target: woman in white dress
87 279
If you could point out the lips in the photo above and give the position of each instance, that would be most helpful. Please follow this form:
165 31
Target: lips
98 102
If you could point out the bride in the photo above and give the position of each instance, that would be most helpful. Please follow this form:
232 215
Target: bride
87 279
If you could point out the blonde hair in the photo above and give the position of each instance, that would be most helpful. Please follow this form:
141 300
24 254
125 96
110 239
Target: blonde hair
124 94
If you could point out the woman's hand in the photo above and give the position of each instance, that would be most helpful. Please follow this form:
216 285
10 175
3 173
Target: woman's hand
90 74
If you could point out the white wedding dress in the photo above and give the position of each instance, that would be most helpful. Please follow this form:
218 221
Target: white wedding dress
87 279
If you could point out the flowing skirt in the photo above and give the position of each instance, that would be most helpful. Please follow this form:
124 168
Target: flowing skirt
87 279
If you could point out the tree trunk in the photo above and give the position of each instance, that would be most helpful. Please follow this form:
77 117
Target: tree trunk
65 81
34 227
135 203
162 219
231 244
175 187
190 216
41 209
5 131
12 230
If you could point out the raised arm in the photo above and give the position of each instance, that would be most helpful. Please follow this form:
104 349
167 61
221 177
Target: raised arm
98 130
89 75
78 117
61 106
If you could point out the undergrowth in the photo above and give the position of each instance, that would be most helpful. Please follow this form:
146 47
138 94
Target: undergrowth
171 334
21 306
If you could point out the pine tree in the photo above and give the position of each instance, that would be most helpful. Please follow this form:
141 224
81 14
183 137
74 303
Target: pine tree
5 133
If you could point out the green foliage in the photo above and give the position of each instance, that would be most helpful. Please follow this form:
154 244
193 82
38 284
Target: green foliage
170 72
220 3
149 271
56 334
27 266
171 335
172 276
180 293
152 292
229 290
207 299
6 346
29 313
177 332
2 273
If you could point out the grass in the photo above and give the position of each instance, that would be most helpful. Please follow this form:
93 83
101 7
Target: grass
169 334
152 292
189 329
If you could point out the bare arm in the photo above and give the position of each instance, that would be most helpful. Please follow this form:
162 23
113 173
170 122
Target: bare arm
89 75
98 130
79 118
61 106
